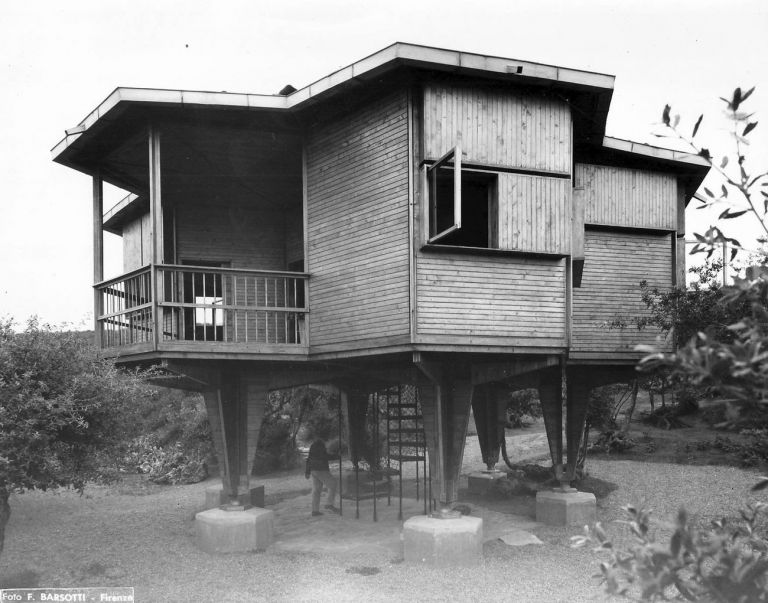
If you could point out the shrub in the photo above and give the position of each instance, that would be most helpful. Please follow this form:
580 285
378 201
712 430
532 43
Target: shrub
523 404
725 562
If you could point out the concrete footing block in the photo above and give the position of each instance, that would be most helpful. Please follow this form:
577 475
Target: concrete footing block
456 542
557 508
220 531
480 482
215 497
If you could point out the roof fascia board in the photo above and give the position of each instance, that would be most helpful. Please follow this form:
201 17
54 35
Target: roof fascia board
409 53
636 148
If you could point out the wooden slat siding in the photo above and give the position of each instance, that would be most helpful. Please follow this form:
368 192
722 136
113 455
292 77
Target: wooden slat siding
498 127
628 197
357 224
615 264
469 295
294 236
137 241
236 233
514 130
534 213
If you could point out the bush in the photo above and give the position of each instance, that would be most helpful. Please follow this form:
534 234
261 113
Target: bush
725 562
523 404
612 440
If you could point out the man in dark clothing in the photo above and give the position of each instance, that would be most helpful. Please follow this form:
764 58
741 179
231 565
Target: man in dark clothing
317 468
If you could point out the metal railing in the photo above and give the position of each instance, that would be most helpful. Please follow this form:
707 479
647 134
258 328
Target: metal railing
203 305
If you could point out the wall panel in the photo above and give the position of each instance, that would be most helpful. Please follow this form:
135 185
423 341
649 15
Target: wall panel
615 264
357 224
628 197
498 127
476 296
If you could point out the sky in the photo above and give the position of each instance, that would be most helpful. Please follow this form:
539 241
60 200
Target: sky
61 59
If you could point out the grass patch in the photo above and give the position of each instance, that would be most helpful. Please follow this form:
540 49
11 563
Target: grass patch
24 579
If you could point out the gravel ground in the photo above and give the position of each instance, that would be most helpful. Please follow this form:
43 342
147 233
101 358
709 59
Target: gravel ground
114 537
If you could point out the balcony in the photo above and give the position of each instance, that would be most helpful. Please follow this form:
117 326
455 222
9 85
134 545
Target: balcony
198 310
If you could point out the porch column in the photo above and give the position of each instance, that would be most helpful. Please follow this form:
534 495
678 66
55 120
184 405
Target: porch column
156 221
98 252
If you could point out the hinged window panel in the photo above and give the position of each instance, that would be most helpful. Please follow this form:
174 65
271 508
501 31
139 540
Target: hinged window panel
444 178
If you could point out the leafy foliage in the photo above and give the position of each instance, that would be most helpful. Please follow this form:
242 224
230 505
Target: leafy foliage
734 370
62 408
728 561
523 404
749 195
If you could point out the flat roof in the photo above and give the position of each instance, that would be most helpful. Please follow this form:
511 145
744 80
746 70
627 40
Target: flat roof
390 57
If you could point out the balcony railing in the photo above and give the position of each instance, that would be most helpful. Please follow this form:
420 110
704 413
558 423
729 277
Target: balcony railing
203 307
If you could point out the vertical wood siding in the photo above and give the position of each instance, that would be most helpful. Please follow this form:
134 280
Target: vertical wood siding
357 224
510 129
498 127
615 264
137 243
534 213
470 295
628 197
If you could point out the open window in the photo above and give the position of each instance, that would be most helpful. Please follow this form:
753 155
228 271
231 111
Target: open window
462 204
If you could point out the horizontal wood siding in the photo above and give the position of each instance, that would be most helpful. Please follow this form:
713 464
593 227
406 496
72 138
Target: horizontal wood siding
498 127
475 296
615 264
137 243
627 197
357 224
534 213
239 235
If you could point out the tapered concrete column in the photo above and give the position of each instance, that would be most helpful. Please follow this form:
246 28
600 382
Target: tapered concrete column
445 405
489 410
235 412
551 397
579 388
357 413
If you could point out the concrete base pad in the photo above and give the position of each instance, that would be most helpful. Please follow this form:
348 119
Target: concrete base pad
556 508
480 482
443 542
215 497
220 531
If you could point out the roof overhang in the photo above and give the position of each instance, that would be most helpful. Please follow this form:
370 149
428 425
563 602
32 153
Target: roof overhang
690 169
594 91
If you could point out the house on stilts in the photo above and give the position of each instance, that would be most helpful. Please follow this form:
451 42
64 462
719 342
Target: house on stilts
452 222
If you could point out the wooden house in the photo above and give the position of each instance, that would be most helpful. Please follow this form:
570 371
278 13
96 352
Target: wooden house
452 221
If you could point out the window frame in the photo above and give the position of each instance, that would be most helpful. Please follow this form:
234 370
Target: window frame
432 170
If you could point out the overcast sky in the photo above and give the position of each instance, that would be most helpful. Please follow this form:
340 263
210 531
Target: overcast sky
60 59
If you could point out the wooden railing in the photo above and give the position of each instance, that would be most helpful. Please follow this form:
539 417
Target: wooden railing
125 309
197 304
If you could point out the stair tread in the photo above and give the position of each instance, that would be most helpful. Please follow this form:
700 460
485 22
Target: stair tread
407 457
406 430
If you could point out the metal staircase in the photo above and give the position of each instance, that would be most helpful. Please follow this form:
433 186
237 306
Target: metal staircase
406 442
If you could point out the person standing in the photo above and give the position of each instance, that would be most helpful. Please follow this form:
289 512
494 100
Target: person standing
318 469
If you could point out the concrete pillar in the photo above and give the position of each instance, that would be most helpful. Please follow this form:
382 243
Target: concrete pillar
445 406
577 404
551 397
235 412
489 410
357 413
